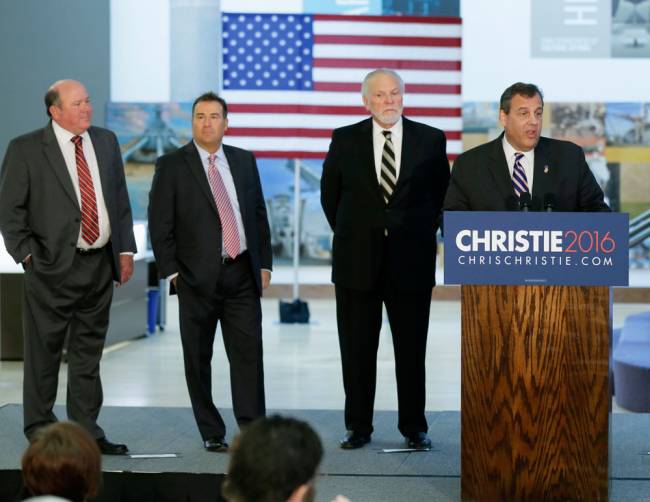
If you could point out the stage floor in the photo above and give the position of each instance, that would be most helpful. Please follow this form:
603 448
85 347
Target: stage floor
366 474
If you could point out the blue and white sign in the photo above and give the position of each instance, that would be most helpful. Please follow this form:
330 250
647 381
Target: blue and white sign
569 249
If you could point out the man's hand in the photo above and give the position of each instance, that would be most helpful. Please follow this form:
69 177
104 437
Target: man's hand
266 279
126 268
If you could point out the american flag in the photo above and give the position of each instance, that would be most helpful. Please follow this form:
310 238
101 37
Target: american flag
289 79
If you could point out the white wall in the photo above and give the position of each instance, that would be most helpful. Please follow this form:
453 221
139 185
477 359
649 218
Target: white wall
494 58
140 55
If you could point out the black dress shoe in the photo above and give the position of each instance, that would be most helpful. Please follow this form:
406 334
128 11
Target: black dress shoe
108 448
419 441
354 440
215 444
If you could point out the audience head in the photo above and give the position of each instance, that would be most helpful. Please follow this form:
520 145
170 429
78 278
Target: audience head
63 460
274 459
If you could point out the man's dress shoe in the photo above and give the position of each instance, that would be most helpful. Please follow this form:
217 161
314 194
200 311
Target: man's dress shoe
354 440
419 441
215 444
108 448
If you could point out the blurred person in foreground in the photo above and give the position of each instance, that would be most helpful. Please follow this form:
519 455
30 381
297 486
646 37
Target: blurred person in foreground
274 459
63 460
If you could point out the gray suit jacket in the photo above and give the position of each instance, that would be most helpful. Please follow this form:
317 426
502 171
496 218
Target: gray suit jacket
39 210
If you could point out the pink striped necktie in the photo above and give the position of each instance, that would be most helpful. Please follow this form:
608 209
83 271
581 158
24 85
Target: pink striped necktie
224 207
89 218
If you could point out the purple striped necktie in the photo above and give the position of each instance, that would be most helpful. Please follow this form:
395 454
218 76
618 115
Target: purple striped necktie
89 217
519 180
224 207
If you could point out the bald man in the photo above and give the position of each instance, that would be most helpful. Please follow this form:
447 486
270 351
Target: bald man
65 216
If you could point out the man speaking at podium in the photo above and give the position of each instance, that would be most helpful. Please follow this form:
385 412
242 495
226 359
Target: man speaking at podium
522 170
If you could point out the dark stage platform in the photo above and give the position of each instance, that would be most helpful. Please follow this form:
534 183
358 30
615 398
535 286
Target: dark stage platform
363 475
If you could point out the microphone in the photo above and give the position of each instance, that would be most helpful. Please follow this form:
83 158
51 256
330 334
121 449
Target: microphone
525 202
512 203
549 202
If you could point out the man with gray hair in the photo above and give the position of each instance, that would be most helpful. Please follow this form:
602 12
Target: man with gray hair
65 216
383 183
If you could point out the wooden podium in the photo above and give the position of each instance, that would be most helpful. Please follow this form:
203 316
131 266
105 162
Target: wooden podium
535 393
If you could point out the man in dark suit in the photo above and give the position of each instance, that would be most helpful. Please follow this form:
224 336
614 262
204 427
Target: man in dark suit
65 215
553 173
211 237
383 183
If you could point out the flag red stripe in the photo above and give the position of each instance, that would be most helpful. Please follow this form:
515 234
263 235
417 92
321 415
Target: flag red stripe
383 40
335 110
287 132
386 63
410 88
389 19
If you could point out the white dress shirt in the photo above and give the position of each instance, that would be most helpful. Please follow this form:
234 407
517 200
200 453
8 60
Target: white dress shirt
378 140
527 162
229 183
64 138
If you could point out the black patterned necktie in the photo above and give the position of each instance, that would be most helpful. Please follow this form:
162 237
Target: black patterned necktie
388 174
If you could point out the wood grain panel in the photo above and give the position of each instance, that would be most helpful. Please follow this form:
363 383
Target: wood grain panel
535 393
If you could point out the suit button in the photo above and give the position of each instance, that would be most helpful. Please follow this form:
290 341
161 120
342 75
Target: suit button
77 220
72 244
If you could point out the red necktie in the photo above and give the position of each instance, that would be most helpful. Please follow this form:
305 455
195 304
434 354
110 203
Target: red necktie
89 218
224 207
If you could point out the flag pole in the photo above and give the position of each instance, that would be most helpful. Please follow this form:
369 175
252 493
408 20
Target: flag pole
295 311
296 226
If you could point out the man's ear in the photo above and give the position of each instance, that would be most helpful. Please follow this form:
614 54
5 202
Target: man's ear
299 493
365 102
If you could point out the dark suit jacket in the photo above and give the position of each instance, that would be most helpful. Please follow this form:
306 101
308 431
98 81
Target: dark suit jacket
39 211
480 179
184 223
355 209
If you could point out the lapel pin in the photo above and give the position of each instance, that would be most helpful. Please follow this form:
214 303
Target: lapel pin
546 169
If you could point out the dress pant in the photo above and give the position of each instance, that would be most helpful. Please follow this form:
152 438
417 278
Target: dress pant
236 304
359 318
76 305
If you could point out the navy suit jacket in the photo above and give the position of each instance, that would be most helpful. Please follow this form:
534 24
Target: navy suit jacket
480 179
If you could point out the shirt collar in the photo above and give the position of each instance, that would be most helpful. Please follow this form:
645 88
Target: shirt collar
396 129
63 136
204 154
510 150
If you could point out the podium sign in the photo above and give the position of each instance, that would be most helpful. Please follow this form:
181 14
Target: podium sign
535 248
536 321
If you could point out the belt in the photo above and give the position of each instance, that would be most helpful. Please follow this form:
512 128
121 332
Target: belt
88 252
227 260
